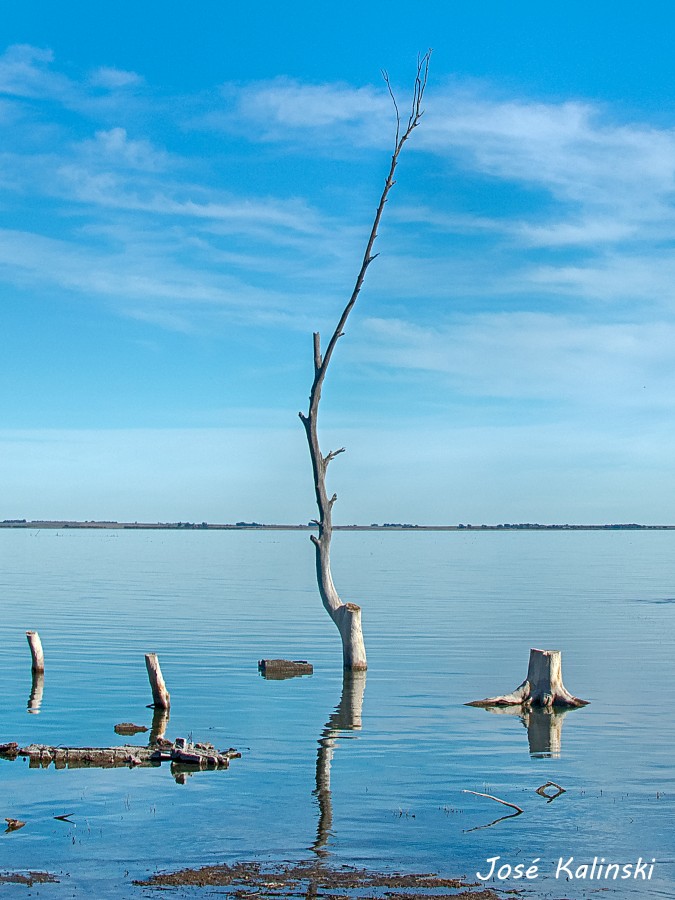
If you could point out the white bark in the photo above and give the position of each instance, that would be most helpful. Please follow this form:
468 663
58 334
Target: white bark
542 687
160 696
37 655
347 616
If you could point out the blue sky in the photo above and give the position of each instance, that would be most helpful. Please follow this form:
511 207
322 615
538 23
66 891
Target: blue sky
184 198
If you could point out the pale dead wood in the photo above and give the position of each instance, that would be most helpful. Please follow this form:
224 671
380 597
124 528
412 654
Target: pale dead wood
36 652
543 685
161 698
347 616
496 799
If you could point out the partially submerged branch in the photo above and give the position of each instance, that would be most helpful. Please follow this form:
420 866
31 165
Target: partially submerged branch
496 799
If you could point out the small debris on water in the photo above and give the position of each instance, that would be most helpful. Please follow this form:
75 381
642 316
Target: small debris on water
278 669
130 728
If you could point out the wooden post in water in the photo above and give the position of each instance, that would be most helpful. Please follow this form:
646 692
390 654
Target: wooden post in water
38 656
160 696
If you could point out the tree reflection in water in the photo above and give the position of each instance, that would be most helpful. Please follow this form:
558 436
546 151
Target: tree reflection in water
345 718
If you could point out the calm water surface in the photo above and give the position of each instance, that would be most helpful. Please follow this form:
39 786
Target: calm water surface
448 618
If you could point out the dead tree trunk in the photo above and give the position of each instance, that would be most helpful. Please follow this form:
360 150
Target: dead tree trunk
542 687
347 616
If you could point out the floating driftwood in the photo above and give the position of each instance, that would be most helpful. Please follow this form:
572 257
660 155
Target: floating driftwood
542 687
284 668
181 751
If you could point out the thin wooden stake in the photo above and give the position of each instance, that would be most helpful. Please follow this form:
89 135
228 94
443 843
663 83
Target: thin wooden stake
160 696
38 656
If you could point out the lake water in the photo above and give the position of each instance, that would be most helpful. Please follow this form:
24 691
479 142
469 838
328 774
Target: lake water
448 617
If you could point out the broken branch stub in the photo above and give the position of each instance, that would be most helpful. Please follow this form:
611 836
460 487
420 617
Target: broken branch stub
542 687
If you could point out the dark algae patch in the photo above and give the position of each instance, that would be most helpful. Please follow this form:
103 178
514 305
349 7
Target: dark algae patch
316 880
27 878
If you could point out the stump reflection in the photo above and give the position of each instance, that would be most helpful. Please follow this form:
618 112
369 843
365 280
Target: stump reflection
543 724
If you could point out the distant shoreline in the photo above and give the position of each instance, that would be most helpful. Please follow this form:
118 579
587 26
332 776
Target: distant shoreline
259 526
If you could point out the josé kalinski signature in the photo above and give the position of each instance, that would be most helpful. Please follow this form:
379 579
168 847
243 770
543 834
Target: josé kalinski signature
570 869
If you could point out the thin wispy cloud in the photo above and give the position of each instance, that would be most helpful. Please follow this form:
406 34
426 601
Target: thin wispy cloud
167 234
541 356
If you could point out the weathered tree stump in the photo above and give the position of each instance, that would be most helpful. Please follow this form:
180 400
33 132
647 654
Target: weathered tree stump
36 653
542 687
161 698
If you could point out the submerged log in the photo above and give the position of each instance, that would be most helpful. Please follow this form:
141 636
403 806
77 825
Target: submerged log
160 696
42 756
284 668
36 653
542 687
197 755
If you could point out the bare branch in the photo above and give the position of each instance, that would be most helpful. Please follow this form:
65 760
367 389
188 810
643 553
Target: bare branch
490 797
332 454
317 351
385 75
415 114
